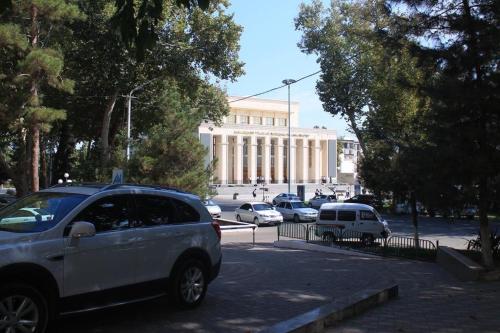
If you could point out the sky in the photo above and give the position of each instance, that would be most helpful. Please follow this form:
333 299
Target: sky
270 53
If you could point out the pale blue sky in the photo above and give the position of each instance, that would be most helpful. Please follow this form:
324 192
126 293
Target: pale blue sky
269 50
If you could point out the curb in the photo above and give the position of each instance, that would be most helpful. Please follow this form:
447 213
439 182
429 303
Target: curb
302 245
316 320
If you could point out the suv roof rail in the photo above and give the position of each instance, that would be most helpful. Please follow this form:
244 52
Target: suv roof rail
155 187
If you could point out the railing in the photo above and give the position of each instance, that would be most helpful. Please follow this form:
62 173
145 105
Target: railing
339 237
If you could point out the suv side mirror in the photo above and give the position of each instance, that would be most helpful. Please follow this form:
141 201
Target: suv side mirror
82 229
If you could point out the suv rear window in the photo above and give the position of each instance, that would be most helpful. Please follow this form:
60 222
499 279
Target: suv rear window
158 210
328 215
347 215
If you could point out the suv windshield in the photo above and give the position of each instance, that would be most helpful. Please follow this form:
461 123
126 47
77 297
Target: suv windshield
262 207
38 212
296 205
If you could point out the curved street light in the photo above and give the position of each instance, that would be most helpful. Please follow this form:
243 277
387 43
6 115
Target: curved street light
288 82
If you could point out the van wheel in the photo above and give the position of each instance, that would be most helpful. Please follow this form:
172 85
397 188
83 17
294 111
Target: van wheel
189 284
22 309
367 239
296 218
329 237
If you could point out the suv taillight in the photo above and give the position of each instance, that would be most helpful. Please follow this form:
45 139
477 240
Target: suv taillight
217 229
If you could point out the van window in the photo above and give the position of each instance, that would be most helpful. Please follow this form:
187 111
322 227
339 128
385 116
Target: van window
328 215
347 215
367 215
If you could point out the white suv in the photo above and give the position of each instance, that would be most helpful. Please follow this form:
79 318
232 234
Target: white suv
94 246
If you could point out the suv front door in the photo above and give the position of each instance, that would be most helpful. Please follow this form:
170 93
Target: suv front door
106 260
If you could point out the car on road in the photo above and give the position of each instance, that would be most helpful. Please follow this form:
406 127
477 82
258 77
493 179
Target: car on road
284 197
258 213
104 246
366 199
320 199
213 208
297 211
359 218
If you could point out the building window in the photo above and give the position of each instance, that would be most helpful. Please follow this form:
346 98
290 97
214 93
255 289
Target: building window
257 120
269 121
244 119
281 122
231 119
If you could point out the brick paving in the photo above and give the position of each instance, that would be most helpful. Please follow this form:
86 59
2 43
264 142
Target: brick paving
260 286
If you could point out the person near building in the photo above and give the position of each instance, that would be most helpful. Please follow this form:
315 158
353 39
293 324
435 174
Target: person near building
254 193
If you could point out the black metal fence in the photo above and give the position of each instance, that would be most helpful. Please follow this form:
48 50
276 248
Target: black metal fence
334 236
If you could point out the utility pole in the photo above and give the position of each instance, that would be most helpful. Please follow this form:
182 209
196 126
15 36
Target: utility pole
288 82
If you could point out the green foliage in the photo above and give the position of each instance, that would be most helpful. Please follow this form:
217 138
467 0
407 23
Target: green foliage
11 36
170 153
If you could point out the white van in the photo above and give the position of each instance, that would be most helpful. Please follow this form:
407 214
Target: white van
360 218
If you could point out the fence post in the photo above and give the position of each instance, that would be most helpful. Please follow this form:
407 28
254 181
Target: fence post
279 226
307 233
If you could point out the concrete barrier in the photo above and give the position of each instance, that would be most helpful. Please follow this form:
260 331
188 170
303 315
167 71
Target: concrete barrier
459 265
316 320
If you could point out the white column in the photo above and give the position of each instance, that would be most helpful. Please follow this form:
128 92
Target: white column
239 160
279 159
223 159
252 159
267 159
305 160
317 161
293 161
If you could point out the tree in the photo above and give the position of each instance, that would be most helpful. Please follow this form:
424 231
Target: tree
340 37
170 152
463 38
39 65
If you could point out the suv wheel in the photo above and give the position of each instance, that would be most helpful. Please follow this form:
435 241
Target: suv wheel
22 309
189 285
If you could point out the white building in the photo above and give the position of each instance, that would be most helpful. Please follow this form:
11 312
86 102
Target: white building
253 142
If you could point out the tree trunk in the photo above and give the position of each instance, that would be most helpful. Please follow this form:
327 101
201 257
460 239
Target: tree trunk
62 162
483 160
356 130
414 217
105 130
34 101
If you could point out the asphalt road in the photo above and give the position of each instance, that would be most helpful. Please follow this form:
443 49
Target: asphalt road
455 234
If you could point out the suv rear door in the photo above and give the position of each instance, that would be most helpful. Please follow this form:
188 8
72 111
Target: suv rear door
166 227
106 260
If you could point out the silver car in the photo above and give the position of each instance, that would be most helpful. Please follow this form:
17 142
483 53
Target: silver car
297 210
320 199
284 197
213 209
258 213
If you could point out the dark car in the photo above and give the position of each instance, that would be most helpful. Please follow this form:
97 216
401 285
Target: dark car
366 199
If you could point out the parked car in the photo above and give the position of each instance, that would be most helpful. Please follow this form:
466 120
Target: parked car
320 199
284 197
213 208
366 199
360 218
469 211
104 246
258 213
297 211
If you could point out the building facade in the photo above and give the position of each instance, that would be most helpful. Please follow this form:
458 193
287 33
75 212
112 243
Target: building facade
252 143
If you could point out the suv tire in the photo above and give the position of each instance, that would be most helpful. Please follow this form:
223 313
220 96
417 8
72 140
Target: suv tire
22 302
189 284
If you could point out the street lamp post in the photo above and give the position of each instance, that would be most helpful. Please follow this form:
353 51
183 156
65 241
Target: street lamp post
288 82
129 112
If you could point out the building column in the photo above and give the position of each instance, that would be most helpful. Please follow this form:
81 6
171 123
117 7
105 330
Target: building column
279 159
305 160
239 160
293 161
317 161
252 159
223 159
267 159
